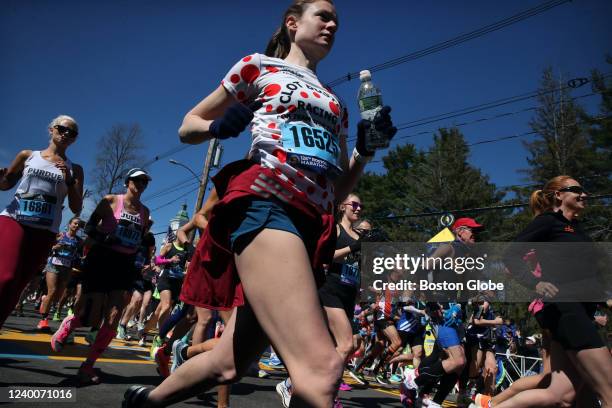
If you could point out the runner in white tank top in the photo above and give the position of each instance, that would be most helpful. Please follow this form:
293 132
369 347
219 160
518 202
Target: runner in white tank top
29 223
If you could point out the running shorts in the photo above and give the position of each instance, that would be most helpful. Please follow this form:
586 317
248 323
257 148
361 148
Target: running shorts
212 280
142 286
337 295
62 272
105 270
173 285
260 214
412 338
571 324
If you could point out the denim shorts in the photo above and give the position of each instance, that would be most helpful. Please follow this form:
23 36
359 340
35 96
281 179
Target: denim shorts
259 214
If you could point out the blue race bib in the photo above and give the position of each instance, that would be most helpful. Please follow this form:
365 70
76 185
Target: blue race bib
37 210
311 148
130 237
350 275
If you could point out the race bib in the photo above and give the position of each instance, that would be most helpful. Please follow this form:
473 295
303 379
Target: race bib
176 272
350 275
130 237
37 209
311 148
139 261
63 257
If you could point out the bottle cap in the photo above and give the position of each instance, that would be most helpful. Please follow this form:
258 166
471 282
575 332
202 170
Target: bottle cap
365 75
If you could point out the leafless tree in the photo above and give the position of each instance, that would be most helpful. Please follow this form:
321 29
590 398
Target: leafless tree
118 151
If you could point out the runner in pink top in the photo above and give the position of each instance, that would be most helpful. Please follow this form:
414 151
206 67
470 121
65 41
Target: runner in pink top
115 230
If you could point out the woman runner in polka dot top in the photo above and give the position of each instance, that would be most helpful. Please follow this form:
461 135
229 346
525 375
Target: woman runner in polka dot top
273 228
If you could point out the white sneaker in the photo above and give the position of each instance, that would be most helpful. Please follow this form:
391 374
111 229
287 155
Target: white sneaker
285 394
409 376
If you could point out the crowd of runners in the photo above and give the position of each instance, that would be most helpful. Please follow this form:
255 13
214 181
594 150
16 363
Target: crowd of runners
273 259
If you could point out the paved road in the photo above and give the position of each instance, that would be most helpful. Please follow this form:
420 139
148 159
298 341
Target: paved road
26 359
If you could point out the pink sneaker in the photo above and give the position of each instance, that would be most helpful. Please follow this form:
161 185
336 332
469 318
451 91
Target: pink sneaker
345 387
58 339
337 403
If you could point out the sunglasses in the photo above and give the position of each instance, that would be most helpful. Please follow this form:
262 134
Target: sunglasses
573 189
140 180
64 130
354 205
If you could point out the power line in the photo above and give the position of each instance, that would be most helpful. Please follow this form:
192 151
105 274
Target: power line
165 154
473 210
175 199
479 120
516 136
163 190
572 83
455 41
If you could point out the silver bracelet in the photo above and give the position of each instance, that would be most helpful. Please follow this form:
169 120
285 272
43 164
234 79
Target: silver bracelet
359 158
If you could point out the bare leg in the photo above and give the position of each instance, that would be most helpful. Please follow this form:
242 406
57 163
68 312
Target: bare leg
131 308
489 372
562 389
199 331
277 279
342 331
595 367
222 365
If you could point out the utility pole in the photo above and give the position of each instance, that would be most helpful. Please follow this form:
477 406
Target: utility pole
212 146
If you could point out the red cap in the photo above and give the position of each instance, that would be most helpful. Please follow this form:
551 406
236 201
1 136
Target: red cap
466 222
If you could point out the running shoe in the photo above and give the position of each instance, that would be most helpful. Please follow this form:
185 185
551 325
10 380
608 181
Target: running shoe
263 374
59 337
482 401
131 323
162 360
409 377
87 375
70 311
337 403
408 396
57 316
274 362
90 337
155 345
284 392
358 377
344 387
177 356
135 396
43 325
143 341
120 332
395 379
381 379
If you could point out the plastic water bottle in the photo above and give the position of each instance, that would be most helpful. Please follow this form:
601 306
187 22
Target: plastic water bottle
370 102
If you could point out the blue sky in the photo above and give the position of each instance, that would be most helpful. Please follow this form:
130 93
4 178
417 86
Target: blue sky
149 62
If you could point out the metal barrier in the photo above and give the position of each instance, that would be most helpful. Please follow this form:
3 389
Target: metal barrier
520 364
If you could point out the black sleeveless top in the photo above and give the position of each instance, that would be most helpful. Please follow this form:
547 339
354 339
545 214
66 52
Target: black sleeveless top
346 271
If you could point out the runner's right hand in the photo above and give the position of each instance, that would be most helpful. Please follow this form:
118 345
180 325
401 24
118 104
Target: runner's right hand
546 289
235 119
